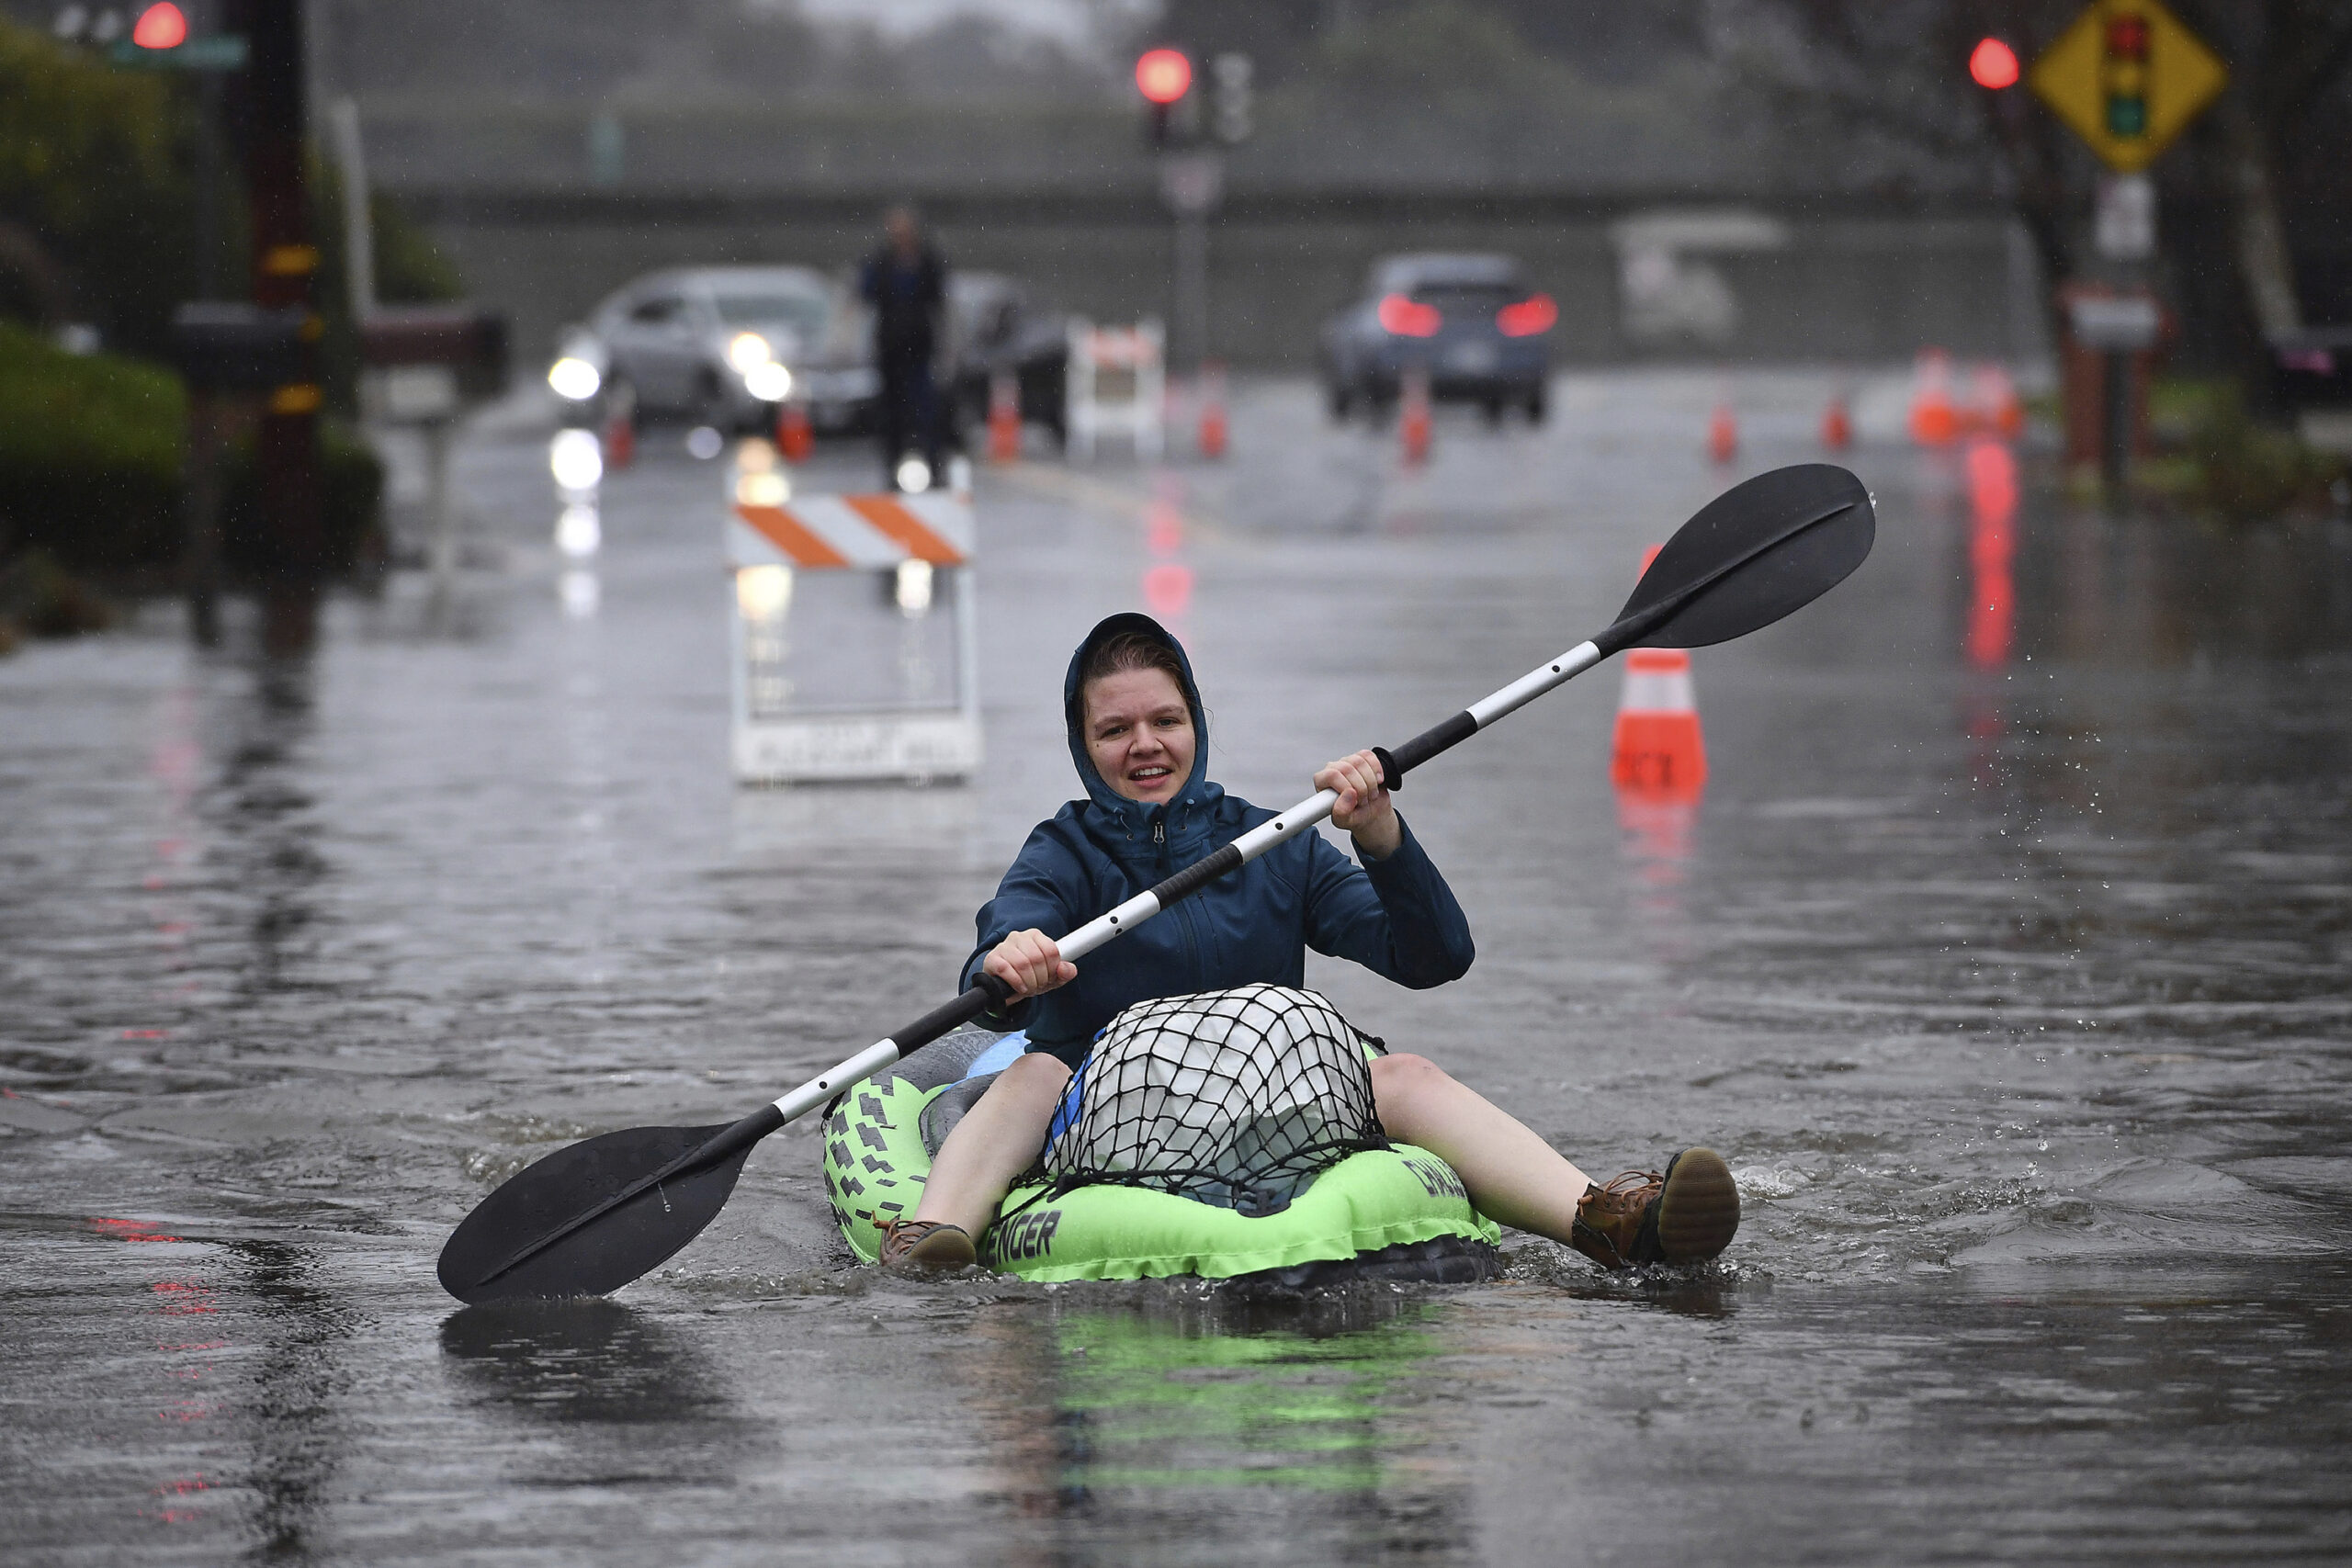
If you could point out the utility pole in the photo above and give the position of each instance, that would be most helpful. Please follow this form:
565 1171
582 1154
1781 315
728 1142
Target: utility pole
286 266
206 417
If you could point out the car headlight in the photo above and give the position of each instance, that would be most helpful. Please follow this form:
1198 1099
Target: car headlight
574 378
771 382
747 352
576 458
769 489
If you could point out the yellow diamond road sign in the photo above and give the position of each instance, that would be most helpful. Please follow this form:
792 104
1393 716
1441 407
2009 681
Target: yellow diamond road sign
2129 78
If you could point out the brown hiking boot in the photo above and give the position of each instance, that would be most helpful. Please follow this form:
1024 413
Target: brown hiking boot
1687 1215
927 1243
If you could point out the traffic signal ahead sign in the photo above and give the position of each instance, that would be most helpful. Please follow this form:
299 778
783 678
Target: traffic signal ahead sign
2128 77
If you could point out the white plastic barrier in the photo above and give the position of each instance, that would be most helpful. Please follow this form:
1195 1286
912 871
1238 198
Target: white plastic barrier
1116 382
853 635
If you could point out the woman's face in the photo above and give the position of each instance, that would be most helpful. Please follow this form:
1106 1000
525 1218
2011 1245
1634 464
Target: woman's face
1139 732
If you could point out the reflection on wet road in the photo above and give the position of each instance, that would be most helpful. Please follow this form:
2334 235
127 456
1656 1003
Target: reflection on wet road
2003 956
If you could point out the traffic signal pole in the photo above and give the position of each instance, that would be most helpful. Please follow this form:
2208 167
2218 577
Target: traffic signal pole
1190 183
1193 288
1192 173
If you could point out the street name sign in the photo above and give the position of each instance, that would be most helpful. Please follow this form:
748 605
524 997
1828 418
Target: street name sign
2129 78
2122 324
1191 184
222 52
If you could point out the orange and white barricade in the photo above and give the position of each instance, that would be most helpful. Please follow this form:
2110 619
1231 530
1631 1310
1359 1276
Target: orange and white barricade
853 633
1116 382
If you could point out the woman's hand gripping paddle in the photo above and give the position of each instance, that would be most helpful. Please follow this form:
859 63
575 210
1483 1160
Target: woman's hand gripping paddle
591 1218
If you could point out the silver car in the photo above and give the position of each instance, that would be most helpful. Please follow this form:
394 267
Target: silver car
721 345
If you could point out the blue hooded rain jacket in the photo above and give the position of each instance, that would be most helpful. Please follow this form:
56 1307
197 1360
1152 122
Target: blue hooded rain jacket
1396 917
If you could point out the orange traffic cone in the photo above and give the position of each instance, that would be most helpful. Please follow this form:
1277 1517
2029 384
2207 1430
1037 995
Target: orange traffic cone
621 442
1934 421
1213 430
1997 404
1836 424
1658 751
1004 417
1723 433
794 439
1413 424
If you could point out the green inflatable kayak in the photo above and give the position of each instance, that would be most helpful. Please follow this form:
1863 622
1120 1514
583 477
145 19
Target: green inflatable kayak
1393 1214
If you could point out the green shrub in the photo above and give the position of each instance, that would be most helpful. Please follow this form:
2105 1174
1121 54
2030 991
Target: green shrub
97 188
40 598
91 450
99 170
2231 465
89 457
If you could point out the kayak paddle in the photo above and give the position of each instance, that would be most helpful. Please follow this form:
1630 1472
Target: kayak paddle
588 1219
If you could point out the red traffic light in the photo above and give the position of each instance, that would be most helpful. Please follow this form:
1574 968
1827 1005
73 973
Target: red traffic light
1164 76
160 27
1994 65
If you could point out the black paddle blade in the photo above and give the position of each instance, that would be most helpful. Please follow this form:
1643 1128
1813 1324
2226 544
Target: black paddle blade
1760 550
611 1249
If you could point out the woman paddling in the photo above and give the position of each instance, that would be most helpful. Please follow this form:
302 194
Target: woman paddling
1137 734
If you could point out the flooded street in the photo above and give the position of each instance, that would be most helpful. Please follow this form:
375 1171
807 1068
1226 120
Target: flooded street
2004 959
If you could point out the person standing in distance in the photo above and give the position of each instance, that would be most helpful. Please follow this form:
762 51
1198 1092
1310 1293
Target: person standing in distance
905 284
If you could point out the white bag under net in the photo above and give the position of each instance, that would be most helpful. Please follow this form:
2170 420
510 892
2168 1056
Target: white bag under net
1233 1098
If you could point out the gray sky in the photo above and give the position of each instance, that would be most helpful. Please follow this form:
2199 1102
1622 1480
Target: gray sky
1071 20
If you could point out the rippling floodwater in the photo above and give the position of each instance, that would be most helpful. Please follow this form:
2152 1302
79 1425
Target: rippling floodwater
2004 959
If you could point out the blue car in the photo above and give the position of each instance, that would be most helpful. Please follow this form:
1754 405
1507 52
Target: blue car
1470 321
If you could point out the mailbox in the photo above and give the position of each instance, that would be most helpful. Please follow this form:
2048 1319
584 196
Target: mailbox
432 357
225 347
2313 370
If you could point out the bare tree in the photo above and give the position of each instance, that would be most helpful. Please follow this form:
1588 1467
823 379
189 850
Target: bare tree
1896 68
2288 59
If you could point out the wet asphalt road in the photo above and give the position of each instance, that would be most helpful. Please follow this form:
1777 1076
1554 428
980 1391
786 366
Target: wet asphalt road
2005 958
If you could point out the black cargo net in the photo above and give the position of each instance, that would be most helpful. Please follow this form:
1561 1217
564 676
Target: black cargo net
1233 1098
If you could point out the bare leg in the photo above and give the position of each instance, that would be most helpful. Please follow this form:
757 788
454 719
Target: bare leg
996 1141
1513 1176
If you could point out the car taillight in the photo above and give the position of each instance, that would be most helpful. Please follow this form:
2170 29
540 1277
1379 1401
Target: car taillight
1532 315
1408 318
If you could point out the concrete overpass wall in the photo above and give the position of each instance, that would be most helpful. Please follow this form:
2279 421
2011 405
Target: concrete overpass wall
1846 285
545 212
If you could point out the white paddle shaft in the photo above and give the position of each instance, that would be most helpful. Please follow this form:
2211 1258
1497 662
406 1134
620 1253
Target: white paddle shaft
1287 824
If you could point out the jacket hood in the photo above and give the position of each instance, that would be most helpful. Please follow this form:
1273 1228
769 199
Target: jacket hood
1197 791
